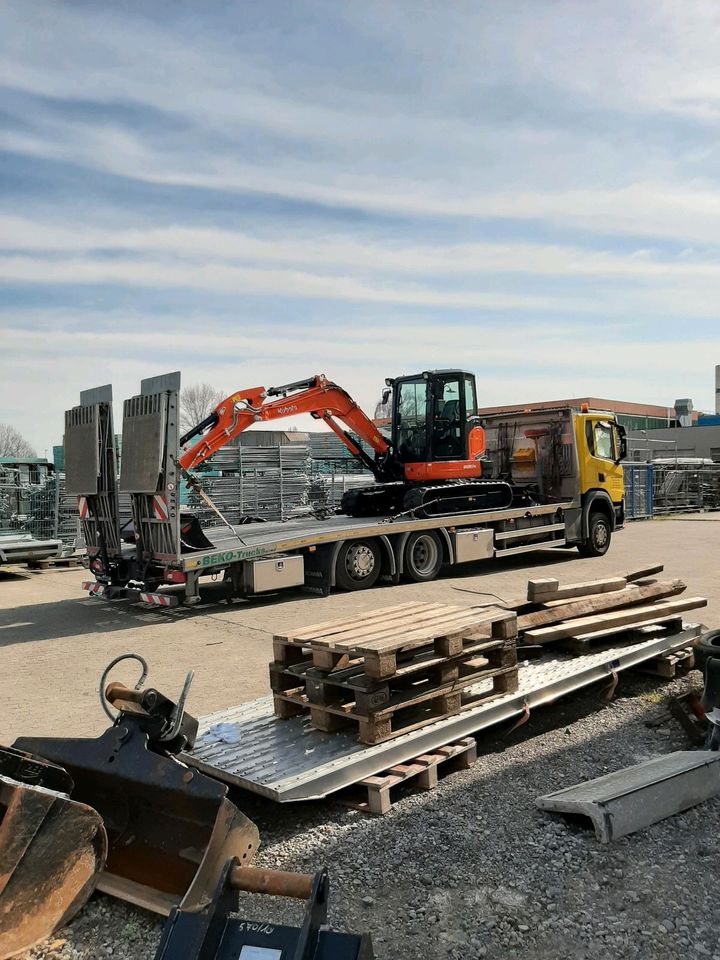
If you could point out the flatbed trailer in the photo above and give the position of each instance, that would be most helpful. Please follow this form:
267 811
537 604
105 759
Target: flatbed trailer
163 557
287 760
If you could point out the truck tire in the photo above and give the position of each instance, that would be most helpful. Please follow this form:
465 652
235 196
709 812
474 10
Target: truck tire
707 646
599 535
357 566
422 556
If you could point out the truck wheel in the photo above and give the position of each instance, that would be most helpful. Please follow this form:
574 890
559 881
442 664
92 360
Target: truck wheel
358 564
422 557
707 646
599 534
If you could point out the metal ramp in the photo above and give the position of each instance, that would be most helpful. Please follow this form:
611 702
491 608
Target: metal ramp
91 470
148 471
285 760
628 800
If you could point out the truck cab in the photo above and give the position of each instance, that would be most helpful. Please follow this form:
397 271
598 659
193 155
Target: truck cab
601 447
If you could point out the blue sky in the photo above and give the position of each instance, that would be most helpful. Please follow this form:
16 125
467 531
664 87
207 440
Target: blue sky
256 192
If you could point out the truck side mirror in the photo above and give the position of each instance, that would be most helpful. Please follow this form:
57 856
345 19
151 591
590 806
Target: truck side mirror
621 442
386 395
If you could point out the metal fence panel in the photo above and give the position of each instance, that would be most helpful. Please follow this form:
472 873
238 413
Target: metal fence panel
638 490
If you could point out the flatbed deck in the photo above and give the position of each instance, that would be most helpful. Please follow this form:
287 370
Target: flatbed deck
252 540
287 760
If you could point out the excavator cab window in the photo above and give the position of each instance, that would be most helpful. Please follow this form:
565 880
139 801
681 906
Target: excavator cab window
448 422
411 420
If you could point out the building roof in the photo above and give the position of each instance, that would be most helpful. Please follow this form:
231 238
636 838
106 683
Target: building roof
595 403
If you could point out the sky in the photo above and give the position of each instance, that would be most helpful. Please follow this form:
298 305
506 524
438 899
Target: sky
253 193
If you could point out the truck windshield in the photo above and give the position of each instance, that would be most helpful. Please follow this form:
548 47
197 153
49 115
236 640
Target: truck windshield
604 446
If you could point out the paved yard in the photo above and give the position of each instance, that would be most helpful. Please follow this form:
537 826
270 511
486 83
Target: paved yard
55 641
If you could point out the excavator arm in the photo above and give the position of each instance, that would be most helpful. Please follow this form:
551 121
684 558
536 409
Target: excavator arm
317 396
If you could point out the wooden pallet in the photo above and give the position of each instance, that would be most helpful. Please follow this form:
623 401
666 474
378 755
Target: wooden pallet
404 714
66 562
668 665
375 794
382 638
422 672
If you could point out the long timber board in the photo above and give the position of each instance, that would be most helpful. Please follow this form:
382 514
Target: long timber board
258 539
286 760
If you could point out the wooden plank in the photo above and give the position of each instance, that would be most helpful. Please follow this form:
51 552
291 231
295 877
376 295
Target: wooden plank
642 572
335 626
458 625
616 618
590 605
542 591
542 585
634 633
651 621
381 629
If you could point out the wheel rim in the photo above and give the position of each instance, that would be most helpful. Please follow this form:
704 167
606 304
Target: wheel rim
424 555
359 561
601 535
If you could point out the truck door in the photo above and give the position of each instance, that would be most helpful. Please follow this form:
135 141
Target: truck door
601 463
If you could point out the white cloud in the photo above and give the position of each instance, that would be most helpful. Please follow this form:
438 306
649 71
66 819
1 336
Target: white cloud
482 155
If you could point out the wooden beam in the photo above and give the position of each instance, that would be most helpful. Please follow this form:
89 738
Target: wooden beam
590 605
617 618
643 572
546 590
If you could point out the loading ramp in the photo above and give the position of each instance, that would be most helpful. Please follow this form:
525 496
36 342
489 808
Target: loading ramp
247 746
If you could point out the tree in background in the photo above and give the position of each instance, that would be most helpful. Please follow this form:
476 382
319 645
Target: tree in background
14 444
196 402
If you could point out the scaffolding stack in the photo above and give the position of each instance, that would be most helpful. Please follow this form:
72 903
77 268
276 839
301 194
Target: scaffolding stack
267 482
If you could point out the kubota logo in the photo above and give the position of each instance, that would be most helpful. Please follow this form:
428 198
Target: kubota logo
288 409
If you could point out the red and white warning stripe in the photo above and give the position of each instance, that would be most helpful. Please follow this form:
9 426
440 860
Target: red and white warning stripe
94 589
160 507
83 507
159 599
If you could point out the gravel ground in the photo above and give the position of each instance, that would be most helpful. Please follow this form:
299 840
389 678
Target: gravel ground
473 869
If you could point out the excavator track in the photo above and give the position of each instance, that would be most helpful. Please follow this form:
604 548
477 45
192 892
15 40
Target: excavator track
435 500
451 499
378 500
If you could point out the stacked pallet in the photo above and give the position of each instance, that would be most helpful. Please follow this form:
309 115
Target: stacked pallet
395 670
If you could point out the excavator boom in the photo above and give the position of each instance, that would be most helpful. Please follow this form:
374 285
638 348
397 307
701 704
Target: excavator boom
317 396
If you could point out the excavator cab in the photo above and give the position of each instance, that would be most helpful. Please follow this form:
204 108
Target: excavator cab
431 417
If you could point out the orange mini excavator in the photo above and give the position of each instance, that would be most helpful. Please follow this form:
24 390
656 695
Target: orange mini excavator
432 465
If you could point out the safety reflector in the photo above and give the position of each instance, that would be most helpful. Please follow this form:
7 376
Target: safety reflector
160 507
159 599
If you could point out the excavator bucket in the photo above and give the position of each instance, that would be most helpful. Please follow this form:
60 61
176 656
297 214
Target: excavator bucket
52 850
170 829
